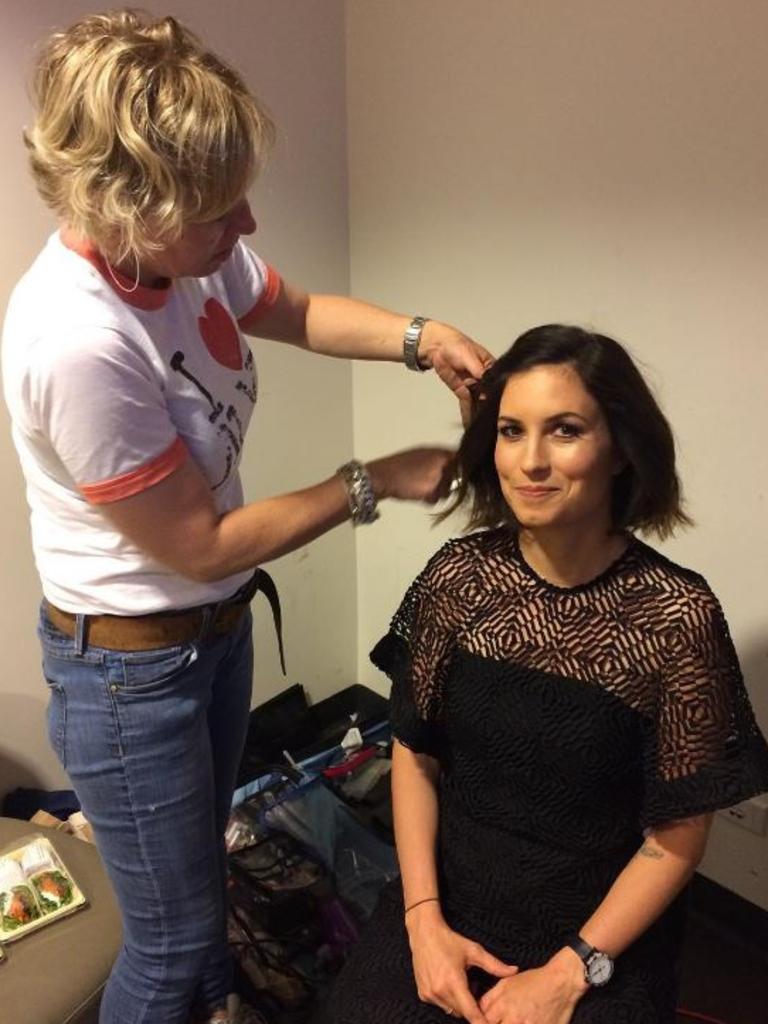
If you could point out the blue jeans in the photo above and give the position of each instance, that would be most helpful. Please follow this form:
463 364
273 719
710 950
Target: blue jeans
152 741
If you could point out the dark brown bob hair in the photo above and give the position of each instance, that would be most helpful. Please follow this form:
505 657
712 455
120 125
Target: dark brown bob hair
646 493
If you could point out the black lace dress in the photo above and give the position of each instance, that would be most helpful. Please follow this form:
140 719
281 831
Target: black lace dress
565 721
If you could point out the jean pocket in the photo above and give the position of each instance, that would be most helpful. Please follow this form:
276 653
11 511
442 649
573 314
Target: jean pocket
148 671
57 720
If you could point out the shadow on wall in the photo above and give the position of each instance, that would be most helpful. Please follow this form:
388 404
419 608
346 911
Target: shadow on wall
24 726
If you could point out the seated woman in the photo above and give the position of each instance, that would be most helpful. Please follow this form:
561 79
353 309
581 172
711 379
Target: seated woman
568 710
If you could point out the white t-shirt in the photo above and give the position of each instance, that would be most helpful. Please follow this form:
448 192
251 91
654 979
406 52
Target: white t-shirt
109 391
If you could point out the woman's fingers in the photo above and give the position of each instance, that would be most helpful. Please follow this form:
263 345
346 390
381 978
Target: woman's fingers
465 408
467 1007
453 997
480 957
461 1006
418 474
442 978
461 357
491 1006
487 1001
458 381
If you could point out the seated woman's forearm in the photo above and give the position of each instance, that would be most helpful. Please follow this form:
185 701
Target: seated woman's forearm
415 809
656 874
653 877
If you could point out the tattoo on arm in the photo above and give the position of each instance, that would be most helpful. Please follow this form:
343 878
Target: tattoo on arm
651 851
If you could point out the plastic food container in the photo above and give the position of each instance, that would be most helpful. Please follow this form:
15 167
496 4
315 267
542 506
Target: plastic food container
35 887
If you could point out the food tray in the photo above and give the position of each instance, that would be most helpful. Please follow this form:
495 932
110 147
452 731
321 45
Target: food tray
35 887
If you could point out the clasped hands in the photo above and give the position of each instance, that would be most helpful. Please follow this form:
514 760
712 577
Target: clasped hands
442 957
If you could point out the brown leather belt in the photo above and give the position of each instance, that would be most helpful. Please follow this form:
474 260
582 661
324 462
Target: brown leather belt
147 632
166 629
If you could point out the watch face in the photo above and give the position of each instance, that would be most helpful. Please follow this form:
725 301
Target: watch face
599 969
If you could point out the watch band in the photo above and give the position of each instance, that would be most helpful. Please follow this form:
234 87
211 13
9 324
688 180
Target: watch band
598 966
582 948
360 494
411 340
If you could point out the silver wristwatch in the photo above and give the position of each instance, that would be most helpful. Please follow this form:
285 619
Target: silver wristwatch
598 967
360 494
411 340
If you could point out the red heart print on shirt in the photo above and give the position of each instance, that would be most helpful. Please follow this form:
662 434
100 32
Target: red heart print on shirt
220 335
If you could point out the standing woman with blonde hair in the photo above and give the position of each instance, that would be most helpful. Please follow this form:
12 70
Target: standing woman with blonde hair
130 388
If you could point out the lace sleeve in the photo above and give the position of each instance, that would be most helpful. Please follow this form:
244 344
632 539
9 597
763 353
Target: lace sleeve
416 652
704 750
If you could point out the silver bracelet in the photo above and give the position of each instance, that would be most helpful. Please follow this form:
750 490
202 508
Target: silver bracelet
360 495
411 340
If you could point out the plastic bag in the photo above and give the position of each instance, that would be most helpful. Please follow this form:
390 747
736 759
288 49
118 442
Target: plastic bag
359 861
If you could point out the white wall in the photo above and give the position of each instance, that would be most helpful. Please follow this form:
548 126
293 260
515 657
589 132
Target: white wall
293 56
604 163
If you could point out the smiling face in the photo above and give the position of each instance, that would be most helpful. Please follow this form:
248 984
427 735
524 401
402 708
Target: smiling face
554 454
201 248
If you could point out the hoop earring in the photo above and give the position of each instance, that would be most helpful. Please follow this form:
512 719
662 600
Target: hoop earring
119 284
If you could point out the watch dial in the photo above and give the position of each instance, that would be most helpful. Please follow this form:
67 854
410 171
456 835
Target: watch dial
600 969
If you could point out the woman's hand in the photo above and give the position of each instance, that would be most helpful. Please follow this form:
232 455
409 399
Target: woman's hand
416 474
458 360
544 995
441 958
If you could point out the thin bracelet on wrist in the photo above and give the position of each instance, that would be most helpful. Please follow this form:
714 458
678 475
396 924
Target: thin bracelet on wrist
360 493
411 340
427 899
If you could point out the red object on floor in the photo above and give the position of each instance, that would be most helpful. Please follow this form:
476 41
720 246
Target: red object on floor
351 763
695 1015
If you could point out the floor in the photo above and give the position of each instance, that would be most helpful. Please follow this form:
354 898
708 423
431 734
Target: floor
724 976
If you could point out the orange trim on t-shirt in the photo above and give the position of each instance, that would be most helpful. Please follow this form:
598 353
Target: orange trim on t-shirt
267 299
136 480
138 295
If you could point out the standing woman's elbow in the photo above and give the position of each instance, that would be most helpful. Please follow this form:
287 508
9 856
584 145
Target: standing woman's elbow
176 522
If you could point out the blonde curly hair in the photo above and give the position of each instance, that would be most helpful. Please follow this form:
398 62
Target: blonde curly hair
139 129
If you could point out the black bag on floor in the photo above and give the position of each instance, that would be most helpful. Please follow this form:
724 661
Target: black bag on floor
288 722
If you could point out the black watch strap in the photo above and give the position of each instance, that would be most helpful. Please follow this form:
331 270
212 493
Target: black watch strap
598 966
582 948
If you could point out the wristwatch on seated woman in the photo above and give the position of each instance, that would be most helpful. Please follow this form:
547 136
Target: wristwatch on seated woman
598 966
